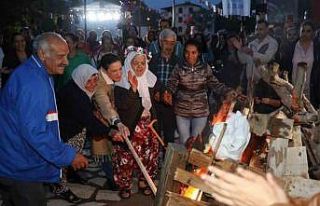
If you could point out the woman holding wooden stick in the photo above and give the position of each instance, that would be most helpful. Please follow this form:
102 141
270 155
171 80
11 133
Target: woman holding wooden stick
135 105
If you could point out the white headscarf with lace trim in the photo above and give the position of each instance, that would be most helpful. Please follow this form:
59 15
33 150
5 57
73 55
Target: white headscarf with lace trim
145 81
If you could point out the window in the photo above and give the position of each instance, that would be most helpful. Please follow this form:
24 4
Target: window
180 19
179 29
190 9
180 11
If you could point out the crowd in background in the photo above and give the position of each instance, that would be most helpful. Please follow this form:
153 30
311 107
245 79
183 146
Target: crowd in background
125 83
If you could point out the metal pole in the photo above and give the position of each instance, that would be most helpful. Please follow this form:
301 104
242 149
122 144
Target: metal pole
265 14
173 12
139 18
85 19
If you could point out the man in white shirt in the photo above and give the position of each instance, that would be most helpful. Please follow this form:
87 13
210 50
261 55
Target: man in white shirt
261 50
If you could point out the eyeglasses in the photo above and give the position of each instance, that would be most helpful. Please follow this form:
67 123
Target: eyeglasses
307 31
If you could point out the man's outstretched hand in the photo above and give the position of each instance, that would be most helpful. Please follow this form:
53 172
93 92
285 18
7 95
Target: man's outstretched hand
79 162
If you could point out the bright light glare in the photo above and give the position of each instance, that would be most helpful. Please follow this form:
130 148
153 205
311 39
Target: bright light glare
116 16
103 15
91 16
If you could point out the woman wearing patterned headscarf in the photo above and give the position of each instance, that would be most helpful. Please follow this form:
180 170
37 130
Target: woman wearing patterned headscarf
135 104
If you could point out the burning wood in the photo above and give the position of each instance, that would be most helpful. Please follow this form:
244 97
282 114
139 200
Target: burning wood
193 192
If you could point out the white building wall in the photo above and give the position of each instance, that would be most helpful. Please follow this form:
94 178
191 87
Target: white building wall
182 12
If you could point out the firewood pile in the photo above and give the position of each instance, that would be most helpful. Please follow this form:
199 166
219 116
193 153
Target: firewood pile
292 152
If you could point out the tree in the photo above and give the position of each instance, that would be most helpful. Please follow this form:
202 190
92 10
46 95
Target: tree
29 12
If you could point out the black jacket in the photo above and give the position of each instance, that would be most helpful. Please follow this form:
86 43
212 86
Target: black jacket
76 112
129 106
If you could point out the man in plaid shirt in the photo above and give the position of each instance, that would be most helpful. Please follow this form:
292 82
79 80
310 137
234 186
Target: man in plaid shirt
162 65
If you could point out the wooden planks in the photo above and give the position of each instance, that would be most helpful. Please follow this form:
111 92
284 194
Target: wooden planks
176 157
301 187
296 162
199 159
191 179
178 200
296 137
276 161
281 128
261 124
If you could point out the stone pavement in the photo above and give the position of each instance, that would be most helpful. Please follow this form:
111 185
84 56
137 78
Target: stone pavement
94 191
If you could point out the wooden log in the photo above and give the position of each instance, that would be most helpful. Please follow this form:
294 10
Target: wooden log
141 166
227 165
191 179
296 162
281 128
199 159
299 83
178 200
176 157
300 187
276 160
296 137
259 123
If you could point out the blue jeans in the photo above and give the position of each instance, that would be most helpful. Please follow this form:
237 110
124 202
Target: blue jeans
190 127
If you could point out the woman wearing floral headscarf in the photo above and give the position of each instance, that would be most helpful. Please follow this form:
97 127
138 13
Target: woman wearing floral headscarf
135 104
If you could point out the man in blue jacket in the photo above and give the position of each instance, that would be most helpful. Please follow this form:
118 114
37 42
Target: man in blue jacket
31 151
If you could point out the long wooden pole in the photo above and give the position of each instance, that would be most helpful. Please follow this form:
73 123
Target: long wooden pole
142 167
136 157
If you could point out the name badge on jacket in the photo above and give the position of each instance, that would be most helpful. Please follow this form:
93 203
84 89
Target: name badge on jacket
52 116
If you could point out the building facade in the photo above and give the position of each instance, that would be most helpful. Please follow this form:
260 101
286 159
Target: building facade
183 15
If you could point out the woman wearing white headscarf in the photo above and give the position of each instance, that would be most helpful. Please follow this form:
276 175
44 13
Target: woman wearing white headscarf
134 100
77 120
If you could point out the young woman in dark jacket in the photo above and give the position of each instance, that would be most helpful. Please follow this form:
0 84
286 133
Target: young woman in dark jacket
188 84
135 105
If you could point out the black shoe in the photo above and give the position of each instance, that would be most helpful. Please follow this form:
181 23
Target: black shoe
70 197
74 177
111 185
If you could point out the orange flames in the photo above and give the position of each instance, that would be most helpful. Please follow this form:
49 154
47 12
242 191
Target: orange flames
192 192
221 116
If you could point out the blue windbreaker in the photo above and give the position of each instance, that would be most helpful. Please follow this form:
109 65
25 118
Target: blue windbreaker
30 143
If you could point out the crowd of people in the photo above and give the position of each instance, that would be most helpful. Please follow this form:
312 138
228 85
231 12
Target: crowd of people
60 90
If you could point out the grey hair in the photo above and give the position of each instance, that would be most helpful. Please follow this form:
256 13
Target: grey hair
42 41
164 34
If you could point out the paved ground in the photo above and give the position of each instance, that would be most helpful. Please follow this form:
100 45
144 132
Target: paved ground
94 191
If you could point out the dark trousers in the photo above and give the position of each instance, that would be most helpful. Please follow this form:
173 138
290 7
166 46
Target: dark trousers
166 121
108 169
20 193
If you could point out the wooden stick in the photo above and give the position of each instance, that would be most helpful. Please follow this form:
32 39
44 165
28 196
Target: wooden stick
215 150
136 157
156 133
142 167
217 146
